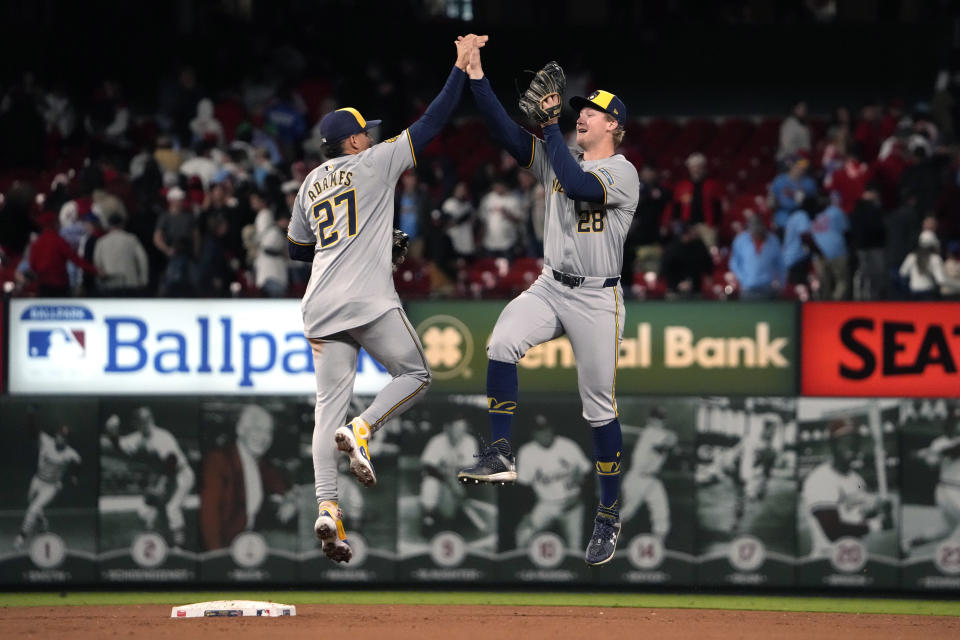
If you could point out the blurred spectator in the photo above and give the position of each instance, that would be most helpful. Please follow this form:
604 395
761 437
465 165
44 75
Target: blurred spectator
285 115
942 106
642 251
92 232
951 272
922 178
838 141
459 217
270 262
59 115
868 238
411 211
924 268
902 226
867 134
166 156
176 229
205 126
757 262
49 255
888 170
890 120
686 262
180 278
849 181
794 132
502 221
221 202
121 261
697 201
533 207
796 246
201 165
830 262
791 188
213 264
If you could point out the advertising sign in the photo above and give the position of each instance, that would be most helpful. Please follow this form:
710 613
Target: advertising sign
667 348
848 511
369 515
249 507
930 489
546 518
166 347
657 542
746 491
447 531
48 502
149 453
881 349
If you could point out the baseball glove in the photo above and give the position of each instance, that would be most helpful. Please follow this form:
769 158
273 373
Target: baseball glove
401 244
548 81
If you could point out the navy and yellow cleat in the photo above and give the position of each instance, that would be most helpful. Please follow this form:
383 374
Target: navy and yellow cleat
330 532
603 541
495 464
352 440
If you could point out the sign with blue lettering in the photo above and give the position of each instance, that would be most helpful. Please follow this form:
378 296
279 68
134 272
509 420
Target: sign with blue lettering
167 347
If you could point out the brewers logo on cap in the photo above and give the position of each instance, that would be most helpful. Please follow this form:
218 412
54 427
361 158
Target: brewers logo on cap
602 101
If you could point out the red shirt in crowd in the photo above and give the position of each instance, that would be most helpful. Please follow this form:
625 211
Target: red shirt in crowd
849 181
49 255
685 200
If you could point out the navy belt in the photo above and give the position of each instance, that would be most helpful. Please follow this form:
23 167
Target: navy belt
572 281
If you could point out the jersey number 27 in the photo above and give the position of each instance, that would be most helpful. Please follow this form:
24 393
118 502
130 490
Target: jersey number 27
325 212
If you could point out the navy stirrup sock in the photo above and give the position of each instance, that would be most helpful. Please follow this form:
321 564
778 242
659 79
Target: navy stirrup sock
502 392
607 443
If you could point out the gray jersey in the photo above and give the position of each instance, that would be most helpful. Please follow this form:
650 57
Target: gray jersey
345 206
586 238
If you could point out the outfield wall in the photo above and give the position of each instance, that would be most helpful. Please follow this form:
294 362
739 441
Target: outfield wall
715 492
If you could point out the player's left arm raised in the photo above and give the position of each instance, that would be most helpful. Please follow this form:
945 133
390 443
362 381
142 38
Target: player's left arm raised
425 129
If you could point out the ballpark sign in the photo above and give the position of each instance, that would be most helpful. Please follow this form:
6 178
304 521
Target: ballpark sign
166 347
667 348
885 349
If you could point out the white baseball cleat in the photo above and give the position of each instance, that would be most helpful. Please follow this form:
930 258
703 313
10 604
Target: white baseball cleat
352 440
330 531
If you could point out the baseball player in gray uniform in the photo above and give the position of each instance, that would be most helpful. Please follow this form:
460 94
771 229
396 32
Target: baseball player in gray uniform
342 222
591 196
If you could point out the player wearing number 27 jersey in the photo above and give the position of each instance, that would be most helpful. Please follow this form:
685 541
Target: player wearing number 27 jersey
342 222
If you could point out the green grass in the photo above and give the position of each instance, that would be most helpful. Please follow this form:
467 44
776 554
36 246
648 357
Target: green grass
680 601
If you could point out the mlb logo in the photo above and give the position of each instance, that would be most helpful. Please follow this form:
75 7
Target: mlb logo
181 613
56 343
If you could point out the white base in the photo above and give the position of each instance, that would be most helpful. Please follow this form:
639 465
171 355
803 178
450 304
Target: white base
233 609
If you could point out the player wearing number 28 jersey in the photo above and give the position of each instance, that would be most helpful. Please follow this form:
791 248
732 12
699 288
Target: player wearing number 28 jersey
342 222
591 196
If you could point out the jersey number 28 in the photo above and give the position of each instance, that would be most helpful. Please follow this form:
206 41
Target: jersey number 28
590 221
324 212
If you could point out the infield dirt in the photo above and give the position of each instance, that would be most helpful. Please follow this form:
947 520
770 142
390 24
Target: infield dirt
386 622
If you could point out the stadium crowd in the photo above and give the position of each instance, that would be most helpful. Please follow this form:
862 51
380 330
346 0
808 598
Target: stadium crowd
190 196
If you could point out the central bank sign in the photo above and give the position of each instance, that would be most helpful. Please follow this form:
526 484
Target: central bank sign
667 348
166 347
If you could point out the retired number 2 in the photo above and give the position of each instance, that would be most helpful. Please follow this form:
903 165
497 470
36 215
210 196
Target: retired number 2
325 213
590 221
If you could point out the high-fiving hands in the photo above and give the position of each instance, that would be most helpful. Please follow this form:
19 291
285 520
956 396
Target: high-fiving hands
467 46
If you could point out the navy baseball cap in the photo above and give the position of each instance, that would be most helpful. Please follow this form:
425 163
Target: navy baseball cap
342 123
602 101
